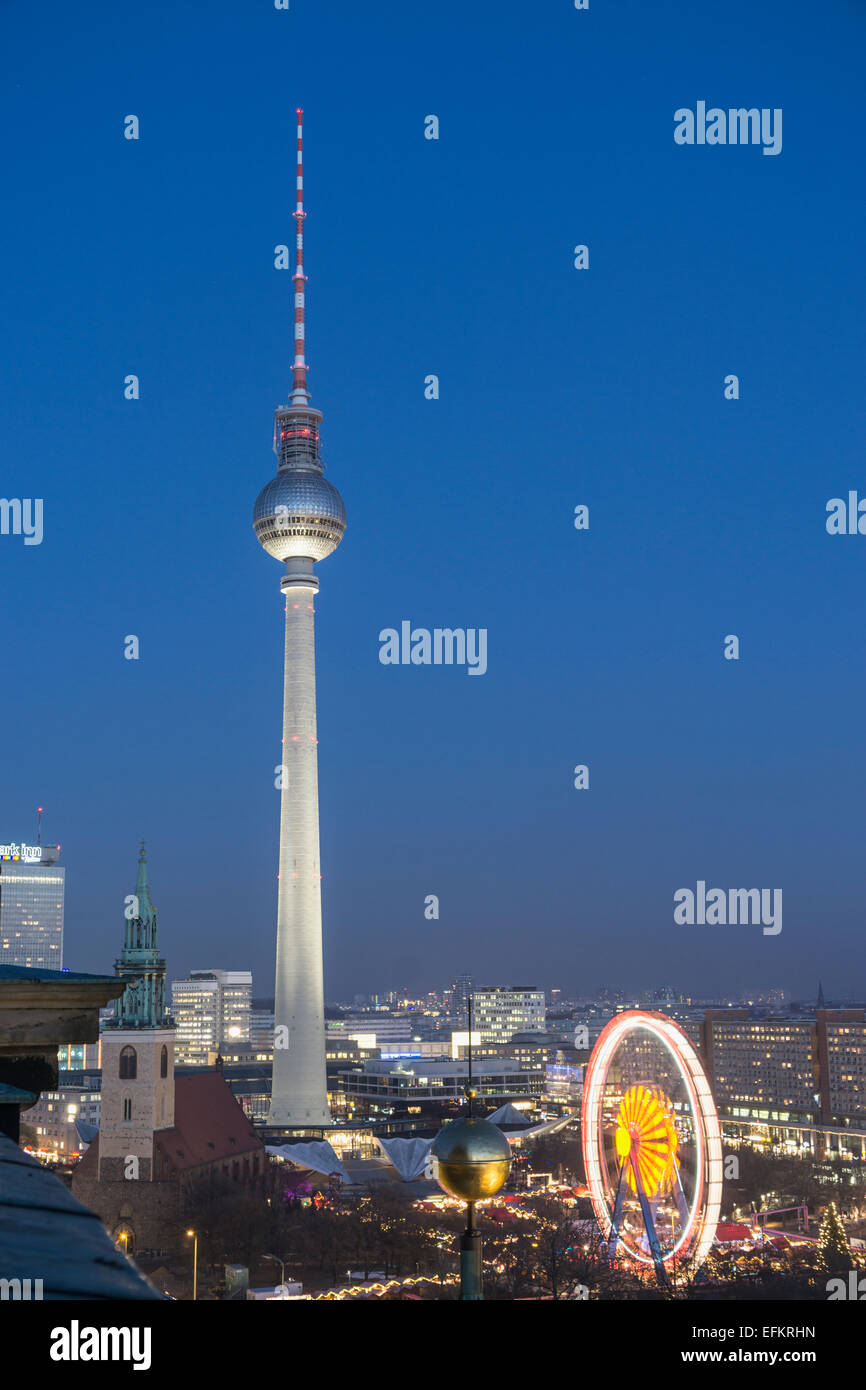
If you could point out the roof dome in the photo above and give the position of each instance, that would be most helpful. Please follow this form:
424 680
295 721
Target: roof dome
299 513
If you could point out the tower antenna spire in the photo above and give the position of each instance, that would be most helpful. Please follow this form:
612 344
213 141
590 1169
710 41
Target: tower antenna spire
300 394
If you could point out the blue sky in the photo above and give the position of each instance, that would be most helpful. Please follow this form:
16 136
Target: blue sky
557 387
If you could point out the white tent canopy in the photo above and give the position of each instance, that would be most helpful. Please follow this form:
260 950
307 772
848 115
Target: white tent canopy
317 1155
409 1156
509 1115
515 1136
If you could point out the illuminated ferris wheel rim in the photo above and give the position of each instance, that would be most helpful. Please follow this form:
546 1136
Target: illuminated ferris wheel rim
704 1210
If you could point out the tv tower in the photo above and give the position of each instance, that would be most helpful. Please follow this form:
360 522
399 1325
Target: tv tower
299 518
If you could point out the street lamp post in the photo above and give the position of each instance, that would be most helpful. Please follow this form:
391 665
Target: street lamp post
194 1235
276 1259
471 1159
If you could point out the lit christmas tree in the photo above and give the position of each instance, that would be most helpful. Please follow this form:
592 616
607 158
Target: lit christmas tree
833 1251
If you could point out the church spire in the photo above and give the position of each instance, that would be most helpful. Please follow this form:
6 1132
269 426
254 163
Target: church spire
142 1004
140 911
821 1003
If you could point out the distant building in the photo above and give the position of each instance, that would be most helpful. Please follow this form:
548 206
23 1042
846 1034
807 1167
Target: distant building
372 1029
563 1081
247 1072
433 1088
212 1009
458 1000
500 1013
32 887
808 1071
80 1056
56 1116
261 1028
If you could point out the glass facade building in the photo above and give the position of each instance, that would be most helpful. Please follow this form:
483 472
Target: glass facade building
31 906
211 1010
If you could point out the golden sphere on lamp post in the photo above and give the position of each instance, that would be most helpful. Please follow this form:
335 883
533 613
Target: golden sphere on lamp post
471 1159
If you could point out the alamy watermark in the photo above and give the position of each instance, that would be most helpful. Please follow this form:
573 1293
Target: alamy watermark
77 1343
25 1290
444 646
22 516
854 1289
729 907
846 518
736 126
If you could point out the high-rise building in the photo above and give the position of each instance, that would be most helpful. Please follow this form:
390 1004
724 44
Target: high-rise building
299 518
195 1008
31 906
459 996
211 1010
499 1013
808 1071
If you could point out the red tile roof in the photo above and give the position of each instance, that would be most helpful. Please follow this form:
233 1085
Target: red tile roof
209 1124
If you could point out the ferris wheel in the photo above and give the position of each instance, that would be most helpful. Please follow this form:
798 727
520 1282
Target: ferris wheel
652 1147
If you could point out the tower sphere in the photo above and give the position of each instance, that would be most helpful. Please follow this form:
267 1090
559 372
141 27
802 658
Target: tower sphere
299 513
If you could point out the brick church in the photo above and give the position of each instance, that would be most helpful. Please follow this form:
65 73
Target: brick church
156 1131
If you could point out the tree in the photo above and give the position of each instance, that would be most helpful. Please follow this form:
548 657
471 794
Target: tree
833 1251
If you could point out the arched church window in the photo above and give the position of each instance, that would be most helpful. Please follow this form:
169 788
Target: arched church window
128 1064
163 1061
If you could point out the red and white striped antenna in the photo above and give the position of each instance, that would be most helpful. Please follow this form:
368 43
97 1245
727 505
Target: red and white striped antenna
300 394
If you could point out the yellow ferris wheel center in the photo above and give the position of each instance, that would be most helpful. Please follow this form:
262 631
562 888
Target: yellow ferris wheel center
646 1140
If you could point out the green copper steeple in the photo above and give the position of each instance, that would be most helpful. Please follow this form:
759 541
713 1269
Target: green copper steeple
142 1004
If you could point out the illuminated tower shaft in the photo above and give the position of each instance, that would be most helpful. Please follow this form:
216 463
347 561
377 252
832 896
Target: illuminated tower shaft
299 1091
299 518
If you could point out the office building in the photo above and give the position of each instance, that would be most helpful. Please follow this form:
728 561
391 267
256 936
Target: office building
32 887
499 1013
56 1116
790 1075
212 1010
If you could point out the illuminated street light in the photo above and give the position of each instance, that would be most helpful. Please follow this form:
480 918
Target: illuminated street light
194 1235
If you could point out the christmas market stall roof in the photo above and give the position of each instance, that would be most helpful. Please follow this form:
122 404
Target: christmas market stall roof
46 1234
727 1232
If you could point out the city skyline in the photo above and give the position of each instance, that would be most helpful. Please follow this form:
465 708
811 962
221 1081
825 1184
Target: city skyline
604 647
615 981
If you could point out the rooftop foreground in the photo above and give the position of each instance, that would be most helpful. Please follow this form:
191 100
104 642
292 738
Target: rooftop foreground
46 1236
